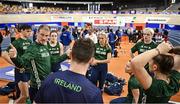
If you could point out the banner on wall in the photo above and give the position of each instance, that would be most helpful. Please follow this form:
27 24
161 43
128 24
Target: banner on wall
49 24
105 22
62 18
156 20
121 21
91 18
101 20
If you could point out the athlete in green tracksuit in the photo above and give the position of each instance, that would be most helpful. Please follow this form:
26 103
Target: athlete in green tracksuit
145 44
99 69
159 87
37 59
141 47
56 49
22 76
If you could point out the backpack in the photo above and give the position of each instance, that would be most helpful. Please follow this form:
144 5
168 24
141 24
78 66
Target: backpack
113 85
114 89
111 78
9 88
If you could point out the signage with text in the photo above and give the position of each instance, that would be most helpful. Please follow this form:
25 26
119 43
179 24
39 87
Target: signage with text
105 22
157 20
62 18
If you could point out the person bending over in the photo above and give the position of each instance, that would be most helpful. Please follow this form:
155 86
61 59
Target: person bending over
156 88
135 90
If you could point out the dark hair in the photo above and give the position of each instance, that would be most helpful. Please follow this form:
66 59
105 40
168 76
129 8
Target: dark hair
24 27
111 30
164 62
1 39
165 32
53 31
175 50
65 28
46 27
83 50
156 30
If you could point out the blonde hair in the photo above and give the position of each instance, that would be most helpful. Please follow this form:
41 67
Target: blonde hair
106 43
148 31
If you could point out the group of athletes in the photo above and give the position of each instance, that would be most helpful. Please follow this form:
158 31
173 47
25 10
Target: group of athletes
154 73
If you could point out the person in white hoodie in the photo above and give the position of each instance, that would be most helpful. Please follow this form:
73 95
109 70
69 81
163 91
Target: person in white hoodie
92 36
